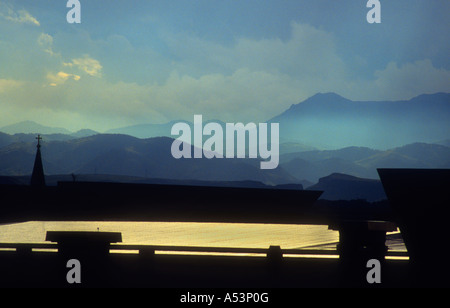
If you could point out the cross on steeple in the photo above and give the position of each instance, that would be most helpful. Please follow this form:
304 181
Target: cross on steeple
39 138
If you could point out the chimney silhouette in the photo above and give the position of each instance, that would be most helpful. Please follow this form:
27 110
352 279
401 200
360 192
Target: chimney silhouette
37 177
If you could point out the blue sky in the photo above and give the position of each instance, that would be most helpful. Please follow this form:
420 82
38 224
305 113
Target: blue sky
136 61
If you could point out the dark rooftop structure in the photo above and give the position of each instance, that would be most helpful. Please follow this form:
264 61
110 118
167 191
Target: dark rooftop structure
420 199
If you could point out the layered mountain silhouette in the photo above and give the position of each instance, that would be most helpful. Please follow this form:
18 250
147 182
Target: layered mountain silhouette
146 130
326 139
126 155
363 162
124 158
332 121
27 131
30 127
323 121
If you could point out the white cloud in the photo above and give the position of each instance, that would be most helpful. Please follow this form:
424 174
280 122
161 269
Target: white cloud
400 82
46 42
411 79
308 53
242 97
21 16
60 78
88 65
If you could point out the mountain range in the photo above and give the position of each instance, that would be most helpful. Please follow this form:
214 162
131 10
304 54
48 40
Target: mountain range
30 127
330 121
126 155
363 162
126 158
313 152
323 121
27 130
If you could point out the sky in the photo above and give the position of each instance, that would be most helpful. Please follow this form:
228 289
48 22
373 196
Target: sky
154 61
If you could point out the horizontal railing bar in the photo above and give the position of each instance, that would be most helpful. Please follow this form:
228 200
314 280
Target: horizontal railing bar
221 249
28 245
196 249
190 248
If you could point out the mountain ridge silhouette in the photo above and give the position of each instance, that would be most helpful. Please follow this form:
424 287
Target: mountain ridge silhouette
322 121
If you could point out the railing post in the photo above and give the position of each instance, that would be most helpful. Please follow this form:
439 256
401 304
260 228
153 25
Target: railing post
91 249
359 242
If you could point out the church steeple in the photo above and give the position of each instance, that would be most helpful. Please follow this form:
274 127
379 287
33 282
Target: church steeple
38 178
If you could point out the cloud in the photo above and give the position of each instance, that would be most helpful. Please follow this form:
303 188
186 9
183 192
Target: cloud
400 82
243 96
412 79
8 84
22 16
248 80
88 65
308 53
60 78
46 42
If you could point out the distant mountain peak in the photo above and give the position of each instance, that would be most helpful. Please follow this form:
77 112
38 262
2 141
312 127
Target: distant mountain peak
339 176
326 96
328 120
84 133
31 127
326 99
